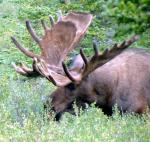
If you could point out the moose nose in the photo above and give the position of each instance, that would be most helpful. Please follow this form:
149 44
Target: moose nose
58 116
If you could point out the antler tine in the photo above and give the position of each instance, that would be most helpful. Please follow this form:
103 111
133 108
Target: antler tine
39 67
128 42
24 50
50 78
123 44
95 49
44 25
32 32
84 58
18 69
131 40
25 68
117 49
115 46
68 73
51 20
105 53
43 69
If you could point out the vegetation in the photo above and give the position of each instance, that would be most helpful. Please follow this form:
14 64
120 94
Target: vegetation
21 98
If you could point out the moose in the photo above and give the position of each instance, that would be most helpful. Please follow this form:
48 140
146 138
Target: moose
119 75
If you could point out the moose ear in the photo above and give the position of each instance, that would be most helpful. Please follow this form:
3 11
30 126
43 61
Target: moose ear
71 86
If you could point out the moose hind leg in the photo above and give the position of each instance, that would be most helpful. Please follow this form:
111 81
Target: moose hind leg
138 104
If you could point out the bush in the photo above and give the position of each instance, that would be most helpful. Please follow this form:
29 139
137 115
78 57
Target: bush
133 12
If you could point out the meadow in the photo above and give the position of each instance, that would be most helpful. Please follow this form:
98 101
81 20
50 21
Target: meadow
22 117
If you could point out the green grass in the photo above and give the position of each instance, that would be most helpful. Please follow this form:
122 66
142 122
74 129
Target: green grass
21 99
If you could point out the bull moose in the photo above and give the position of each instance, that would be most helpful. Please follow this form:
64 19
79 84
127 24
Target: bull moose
119 75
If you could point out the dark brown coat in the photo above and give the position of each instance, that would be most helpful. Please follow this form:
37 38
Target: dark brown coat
125 81
117 76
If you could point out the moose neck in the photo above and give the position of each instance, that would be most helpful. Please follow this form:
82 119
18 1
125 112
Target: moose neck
96 88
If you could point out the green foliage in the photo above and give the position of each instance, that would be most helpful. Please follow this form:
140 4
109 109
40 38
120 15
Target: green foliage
134 13
21 99
90 125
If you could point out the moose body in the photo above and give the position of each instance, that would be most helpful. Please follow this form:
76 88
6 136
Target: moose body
124 81
117 76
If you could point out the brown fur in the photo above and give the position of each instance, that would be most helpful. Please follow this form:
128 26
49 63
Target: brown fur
125 81
109 78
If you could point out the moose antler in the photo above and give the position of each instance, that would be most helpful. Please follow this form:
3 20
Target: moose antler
57 41
90 65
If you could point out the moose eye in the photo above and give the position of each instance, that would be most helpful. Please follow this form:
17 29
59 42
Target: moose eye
71 87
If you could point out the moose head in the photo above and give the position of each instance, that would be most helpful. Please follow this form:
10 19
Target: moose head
88 80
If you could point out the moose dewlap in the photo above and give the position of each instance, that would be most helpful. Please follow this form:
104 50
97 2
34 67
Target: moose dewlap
117 76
